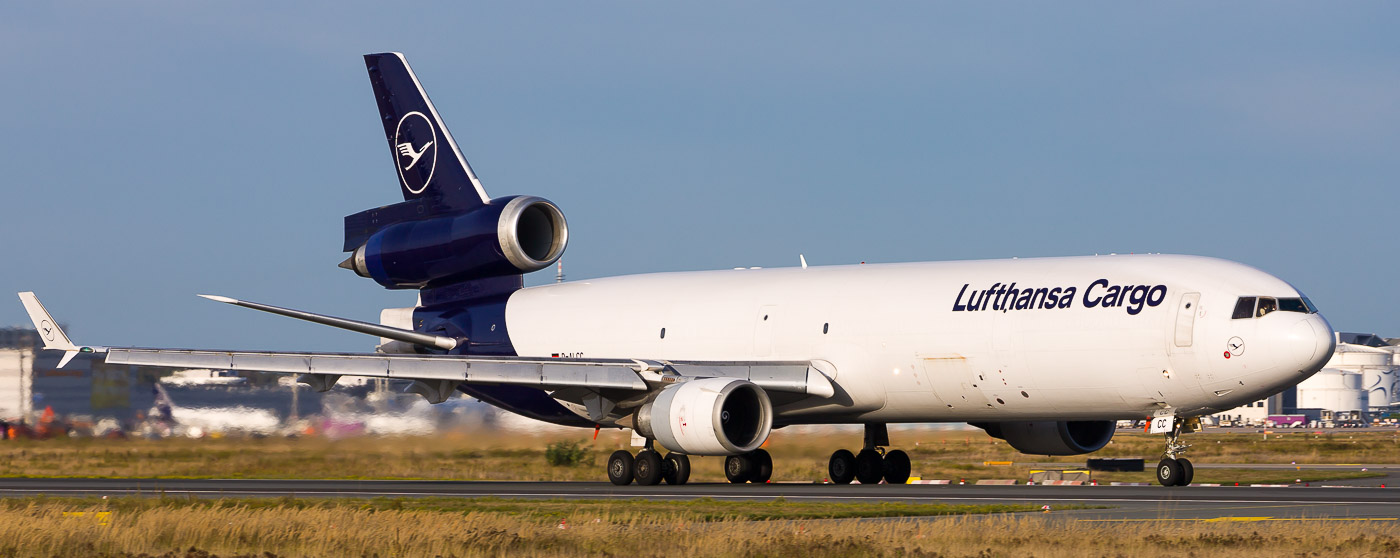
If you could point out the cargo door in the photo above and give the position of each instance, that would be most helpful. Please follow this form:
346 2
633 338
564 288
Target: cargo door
1186 319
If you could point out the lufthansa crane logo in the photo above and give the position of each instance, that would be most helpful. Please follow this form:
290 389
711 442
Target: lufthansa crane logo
415 149
1234 347
46 329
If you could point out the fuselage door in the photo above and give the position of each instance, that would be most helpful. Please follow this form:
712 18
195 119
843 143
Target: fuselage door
1186 318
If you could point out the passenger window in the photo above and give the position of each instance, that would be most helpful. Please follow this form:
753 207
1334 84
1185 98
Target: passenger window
1292 305
1244 308
1266 304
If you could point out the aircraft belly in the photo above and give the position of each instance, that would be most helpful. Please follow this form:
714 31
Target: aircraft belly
526 401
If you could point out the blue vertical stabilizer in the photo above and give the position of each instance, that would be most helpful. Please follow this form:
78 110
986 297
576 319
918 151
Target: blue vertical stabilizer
428 163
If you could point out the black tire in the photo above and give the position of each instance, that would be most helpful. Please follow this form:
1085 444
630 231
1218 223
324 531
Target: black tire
1169 472
762 466
677 467
1188 471
897 467
870 467
620 467
842 467
738 468
647 468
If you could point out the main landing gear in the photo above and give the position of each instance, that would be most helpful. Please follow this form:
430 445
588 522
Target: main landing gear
1175 470
648 468
873 463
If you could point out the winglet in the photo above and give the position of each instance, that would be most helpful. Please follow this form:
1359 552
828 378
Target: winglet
53 336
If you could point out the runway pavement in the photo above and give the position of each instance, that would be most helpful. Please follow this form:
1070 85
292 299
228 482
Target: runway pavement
1124 503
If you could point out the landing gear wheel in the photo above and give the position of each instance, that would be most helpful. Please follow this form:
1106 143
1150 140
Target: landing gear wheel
762 466
1187 471
620 468
842 467
646 468
1170 473
738 468
870 467
897 467
677 469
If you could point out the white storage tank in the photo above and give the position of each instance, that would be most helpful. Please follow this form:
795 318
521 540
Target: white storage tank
1376 364
1334 389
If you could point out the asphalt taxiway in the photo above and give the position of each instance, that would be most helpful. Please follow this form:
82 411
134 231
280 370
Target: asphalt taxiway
1121 503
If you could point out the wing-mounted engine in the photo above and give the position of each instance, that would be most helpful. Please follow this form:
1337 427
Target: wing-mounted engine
711 416
508 236
1052 437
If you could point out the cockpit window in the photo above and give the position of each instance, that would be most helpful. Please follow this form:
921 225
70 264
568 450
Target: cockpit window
1267 304
1292 305
1258 306
1244 308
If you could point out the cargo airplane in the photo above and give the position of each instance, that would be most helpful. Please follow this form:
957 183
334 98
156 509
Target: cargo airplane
1044 353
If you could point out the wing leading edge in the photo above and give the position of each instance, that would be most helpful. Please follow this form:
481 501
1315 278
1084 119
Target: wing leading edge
547 373
439 375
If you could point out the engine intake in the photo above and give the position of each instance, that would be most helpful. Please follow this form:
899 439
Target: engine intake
1052 437
509 236
711 416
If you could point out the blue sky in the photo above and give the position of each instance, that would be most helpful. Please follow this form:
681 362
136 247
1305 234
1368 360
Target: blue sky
154 150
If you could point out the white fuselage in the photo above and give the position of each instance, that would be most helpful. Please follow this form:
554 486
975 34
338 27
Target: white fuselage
945 341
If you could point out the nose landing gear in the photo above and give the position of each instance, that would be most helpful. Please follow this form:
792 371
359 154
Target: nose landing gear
873 463
1175 470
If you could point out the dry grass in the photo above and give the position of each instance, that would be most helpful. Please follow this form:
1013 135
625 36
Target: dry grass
42 527
798 456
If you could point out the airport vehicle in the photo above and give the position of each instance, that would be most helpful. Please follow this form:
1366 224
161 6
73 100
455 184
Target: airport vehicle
1045 353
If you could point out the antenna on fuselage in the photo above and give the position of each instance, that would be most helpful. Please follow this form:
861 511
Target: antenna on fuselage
802 259
559 276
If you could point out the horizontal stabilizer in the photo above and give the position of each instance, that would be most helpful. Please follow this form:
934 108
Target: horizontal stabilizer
407 336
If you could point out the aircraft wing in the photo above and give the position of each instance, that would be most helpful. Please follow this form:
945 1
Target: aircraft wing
439 375
537 372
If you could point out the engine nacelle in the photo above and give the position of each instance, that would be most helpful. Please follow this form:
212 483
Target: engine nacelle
711 416
509 236
1052 437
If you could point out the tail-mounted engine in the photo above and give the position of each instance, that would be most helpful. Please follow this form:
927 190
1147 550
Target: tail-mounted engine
711 416
1052 437
508 236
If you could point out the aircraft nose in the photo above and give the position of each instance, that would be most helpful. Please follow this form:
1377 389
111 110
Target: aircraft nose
1310 344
